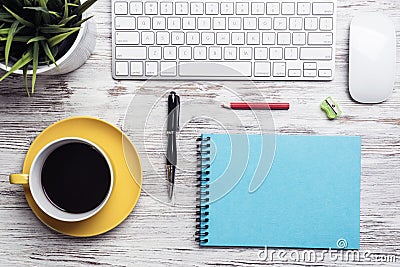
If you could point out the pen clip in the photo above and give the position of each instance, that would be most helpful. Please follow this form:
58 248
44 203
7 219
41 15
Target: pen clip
174 106
171 102
178 107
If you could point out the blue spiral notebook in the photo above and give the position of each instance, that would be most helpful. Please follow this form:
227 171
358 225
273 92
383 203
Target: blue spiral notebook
279 191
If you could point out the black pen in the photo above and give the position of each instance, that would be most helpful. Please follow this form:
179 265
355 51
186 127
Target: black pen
172 128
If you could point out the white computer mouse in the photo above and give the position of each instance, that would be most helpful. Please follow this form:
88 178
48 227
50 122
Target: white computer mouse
372 59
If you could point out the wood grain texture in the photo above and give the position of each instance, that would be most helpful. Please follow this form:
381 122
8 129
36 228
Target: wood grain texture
160 234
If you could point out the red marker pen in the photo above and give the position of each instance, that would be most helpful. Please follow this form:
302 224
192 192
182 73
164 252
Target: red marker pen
245 105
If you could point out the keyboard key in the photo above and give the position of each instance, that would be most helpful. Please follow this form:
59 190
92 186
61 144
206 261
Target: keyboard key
185 52
295 23
170 52
227 8
189 23
279 69
317 53
163 38
216 69
168 68
200 52
280 23
143 23
310 65
166 8
310 24
207 38
151 68
262 69
219 24
121 68
223 38
196 8
174 23
322 8
310 73
257 8
136 68
204 23
193 38
287 8
249 23
242 8
326 24
151 8
265 23
283 38
238 38
212 8
159 23
131 52
325 73
215 52
230 53
148 38
260 53
253 38
294 73
181 8
136 8
320 38
272 8
177 38
291 53
125 38
276 53
303 8
268 38
234 23
155 52
245 53
124 23
299 38
121 8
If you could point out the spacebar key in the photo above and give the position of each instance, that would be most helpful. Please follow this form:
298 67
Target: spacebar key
215 69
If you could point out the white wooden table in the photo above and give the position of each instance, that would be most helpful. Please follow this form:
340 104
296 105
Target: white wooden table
158 233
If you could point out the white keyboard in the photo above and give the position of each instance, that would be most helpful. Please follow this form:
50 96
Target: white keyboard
223 40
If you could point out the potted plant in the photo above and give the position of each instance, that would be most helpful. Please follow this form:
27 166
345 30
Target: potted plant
44 37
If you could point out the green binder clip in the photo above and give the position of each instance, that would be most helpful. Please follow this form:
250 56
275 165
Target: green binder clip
331 108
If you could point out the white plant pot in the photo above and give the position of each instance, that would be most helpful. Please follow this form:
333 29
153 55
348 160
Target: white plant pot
76 56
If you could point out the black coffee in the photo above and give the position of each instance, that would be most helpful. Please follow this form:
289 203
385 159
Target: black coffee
76 177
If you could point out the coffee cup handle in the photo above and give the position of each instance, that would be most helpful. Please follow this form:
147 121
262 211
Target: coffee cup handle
19 178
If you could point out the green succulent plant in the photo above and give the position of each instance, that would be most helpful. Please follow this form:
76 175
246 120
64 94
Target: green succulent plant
35 32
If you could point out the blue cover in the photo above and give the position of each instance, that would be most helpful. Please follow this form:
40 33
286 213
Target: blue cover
309 198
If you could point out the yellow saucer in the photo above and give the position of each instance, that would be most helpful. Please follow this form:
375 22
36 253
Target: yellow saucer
125 162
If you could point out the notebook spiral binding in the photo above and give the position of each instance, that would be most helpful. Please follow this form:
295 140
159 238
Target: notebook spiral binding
203 153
